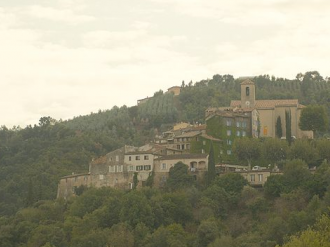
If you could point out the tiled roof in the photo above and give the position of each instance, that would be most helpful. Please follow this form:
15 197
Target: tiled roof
189 134
200 127
268 103
76 175
211 138
247 82
182 156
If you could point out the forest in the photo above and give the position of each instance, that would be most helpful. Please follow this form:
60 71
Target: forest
291 208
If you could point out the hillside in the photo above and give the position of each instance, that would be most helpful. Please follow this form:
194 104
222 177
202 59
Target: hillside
37 156
34 158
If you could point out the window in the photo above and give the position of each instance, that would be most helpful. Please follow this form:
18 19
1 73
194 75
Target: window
131 168
261 177
137 157
139 168
228 122
228 132
119 168
164 166
188 146
204 143
229 142
238 133
243 133
238 124
129 158
229 152
146 157
203 151
247 91
252 178
244 124
111 168
117 158
101 176
147 167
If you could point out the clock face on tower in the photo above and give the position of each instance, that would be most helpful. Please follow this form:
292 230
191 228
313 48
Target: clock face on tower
247 103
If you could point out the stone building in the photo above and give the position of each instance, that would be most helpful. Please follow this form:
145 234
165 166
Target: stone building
176 90
270 110
197 164
119 169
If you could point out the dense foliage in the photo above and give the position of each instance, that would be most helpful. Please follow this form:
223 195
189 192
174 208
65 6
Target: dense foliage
224 213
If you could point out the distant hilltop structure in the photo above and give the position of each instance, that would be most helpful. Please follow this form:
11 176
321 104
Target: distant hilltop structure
176 90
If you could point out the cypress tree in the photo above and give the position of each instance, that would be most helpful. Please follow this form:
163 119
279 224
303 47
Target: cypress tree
288 126
278 129
211 165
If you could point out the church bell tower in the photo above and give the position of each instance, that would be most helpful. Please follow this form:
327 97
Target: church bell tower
248 94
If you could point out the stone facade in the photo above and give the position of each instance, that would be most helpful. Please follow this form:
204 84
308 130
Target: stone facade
118 168
197 164
176 90
270 110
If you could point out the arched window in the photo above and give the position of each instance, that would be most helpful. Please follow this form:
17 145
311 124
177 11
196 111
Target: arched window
247 91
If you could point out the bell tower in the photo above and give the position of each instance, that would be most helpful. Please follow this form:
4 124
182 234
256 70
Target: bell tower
248 94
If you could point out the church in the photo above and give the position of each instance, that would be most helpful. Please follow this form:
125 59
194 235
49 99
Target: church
270 111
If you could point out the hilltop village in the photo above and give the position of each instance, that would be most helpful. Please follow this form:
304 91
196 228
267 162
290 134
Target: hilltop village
130 167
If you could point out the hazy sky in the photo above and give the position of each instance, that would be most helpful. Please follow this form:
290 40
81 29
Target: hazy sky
64 58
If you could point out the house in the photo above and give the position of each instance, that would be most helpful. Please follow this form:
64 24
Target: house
197 164
116 169
258 178
141 101
176 90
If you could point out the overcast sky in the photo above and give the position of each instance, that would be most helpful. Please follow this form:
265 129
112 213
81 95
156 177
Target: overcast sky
64 58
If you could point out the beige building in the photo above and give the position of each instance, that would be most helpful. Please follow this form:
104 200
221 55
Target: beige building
116 169
197 164
176 90
257 178
270 110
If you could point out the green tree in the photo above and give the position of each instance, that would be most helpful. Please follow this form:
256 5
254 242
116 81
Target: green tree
296 174
314 118
232 183
136 209
274 150
288 133
323 147
278 127
207 232
247 149
304 150
274 186
178 177
317 236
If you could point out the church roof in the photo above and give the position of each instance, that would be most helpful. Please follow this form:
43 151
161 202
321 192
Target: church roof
247 82
269 103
